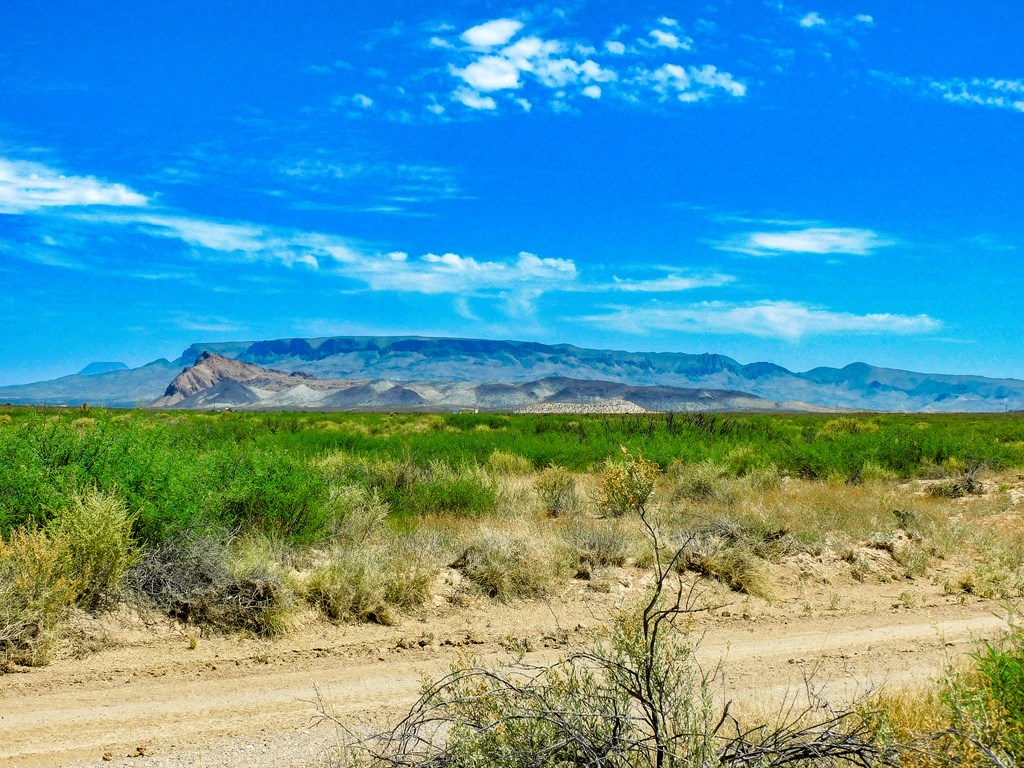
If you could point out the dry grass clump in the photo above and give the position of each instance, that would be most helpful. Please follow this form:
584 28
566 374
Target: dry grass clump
360 514
724 551
703 481
5 419
192 578
517 561
36 594
599 544
350 586
367 583
556 487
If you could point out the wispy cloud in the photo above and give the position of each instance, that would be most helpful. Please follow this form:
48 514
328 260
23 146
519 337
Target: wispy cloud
206 323
816 240
27 186
991 92
674 282
430 273
786 320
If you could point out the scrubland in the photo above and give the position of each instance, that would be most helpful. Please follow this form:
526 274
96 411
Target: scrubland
249 524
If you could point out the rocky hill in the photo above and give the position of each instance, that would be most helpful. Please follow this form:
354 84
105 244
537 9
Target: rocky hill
480 361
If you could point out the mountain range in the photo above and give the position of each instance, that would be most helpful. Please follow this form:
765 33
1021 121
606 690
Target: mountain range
461 362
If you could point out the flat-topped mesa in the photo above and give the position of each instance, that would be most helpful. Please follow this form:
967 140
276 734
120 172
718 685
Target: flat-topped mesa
209 370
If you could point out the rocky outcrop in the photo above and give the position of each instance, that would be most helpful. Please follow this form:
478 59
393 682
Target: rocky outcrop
216 382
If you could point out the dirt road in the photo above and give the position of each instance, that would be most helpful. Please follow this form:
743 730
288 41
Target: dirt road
232 702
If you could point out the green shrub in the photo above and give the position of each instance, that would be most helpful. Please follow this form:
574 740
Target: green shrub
94 537
506 463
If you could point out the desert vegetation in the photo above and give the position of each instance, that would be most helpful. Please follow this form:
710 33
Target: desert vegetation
245 523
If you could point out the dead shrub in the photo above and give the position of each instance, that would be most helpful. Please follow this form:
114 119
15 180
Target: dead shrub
190 579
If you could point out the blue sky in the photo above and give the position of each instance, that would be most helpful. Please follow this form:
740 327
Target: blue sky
807 183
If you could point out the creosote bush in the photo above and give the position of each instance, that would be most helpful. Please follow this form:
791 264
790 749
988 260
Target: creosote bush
627 485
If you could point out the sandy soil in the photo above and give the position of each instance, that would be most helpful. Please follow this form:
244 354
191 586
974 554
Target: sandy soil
140 695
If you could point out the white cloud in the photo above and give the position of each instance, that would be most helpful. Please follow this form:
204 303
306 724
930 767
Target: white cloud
450 273
474 100
710 76
205 323
490 73
670 40
362 100
26 186
492 33
818 240
764 319
864 18
564 72
812 19
682 82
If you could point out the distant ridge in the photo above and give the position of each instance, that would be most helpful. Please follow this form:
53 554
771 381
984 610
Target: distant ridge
856 386
94 368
